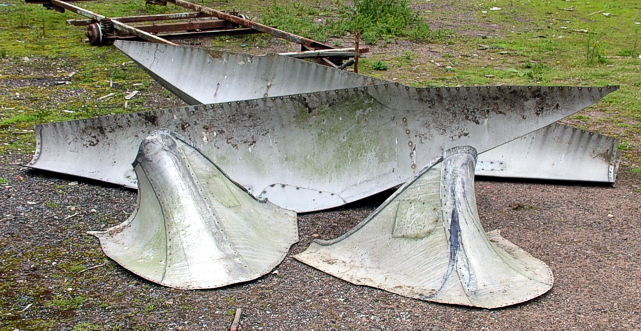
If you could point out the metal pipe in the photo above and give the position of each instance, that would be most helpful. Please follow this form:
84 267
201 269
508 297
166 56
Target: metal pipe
341 52
251 24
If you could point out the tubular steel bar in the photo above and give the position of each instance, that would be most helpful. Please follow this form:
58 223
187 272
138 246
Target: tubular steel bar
116 24
144 18
251 24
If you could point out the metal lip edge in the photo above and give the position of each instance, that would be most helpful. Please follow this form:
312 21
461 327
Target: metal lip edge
361 89
36 155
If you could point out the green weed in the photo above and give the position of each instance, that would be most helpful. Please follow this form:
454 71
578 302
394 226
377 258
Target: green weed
67 303
379 65
372 19
20 118
3 181
594 51
624 146
86 326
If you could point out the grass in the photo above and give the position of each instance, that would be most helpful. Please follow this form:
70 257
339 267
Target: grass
372 19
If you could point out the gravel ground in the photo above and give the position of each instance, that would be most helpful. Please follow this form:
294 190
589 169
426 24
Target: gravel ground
589 235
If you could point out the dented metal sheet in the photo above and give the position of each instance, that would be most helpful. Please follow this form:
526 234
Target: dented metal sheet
555 152
329 147
426 242
193 227
200 76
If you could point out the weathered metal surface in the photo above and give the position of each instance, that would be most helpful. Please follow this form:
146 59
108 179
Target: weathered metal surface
317 150
193 227
201 76
558 152
426 242
555 152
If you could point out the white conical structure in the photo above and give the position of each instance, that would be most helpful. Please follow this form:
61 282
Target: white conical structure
426 242
194 228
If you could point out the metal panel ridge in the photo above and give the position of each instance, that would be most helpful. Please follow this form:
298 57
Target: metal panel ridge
426 242
319 150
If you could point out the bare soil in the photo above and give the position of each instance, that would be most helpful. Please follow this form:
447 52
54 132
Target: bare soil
588 234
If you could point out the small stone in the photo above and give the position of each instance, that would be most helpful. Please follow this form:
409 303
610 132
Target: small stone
74 183
606 14
20 178
25 59
610 215
315 235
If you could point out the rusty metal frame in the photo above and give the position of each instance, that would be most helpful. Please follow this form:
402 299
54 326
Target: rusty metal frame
212 22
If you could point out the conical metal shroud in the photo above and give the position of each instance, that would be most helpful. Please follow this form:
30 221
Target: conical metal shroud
426 242
193 227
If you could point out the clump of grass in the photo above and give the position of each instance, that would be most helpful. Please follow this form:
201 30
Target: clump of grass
379 65
20 118
67 304
532 71
372 19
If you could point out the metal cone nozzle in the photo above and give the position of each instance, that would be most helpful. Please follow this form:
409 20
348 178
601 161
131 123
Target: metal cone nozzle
194 228
426 242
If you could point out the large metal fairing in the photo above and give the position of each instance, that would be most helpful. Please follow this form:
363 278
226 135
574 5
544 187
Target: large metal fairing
426 242
200 76
193 227
318 150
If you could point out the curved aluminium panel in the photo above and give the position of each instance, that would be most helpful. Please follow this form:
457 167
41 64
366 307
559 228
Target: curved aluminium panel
201 76
193 227
329 148
555 152
426 242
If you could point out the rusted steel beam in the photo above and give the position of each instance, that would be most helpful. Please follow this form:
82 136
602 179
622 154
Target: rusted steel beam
192 35
144 18
251 24
185 26
116 24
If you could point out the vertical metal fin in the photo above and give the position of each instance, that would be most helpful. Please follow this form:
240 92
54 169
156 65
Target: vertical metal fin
194 228
449 259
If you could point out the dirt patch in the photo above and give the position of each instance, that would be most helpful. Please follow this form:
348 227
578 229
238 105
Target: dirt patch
589 235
